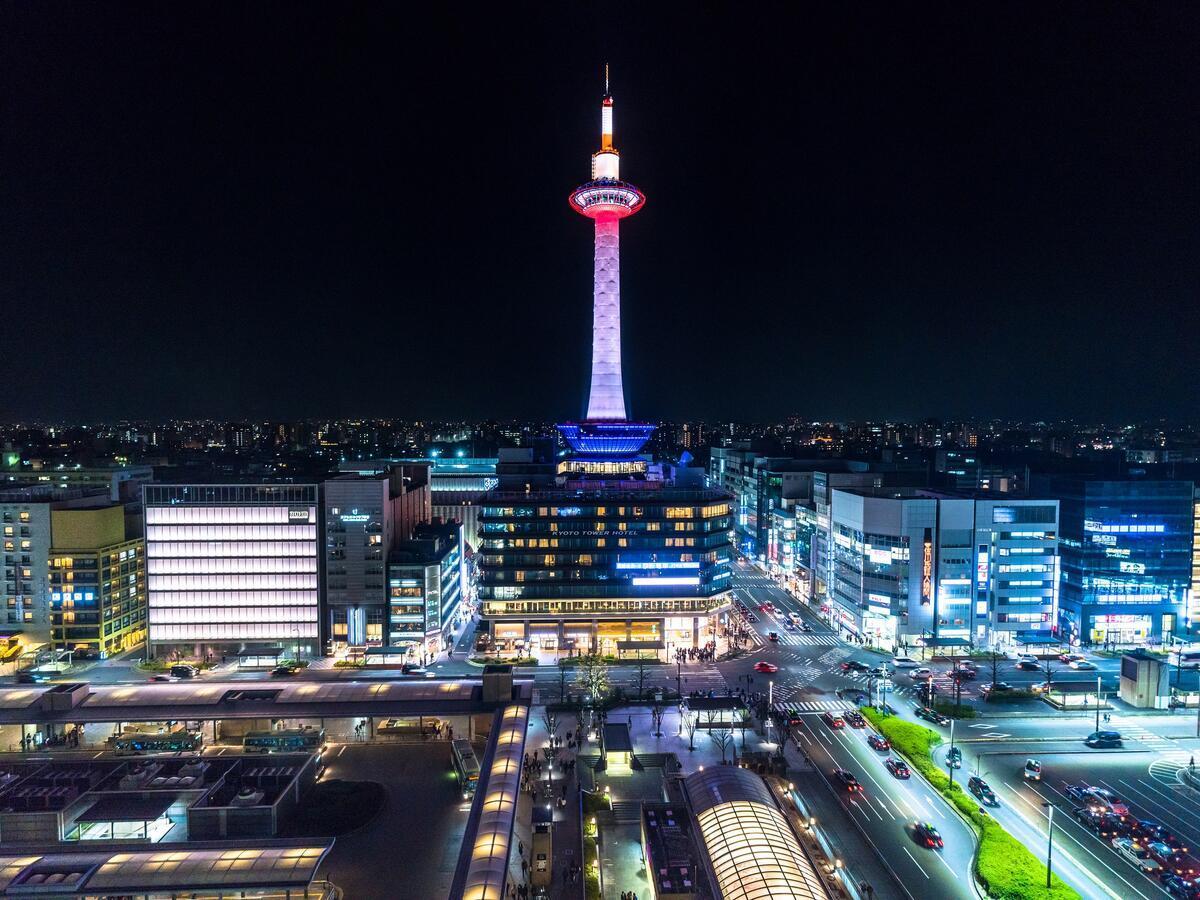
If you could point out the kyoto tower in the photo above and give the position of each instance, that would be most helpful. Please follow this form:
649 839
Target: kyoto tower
606 200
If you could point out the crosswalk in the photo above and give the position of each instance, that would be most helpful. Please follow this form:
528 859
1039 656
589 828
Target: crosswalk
805 706
1131 730
792 639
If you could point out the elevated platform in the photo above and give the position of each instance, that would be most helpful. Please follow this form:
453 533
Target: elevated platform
603 439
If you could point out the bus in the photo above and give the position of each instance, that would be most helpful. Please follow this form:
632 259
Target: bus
133 743
466 766
287 740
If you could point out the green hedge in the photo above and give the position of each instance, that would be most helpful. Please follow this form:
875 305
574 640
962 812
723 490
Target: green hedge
1005 867
961 711
1014 695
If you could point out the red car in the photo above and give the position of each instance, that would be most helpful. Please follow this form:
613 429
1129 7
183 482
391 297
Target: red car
833 720
766 667
848 780
855 720
878 742
898 767
928 835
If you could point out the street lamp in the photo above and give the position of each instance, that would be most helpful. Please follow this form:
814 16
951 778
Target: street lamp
1050 842
950 758
1097 702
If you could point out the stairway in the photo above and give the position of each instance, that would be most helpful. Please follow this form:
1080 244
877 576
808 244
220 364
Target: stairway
627 811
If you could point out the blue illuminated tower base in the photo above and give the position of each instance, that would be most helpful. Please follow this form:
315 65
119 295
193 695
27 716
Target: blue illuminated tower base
606 439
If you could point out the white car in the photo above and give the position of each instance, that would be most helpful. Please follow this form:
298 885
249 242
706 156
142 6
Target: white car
1027 658
1134 855
922 672
904 662
1083 665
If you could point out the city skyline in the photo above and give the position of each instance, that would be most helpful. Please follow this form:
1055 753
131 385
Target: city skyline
935 203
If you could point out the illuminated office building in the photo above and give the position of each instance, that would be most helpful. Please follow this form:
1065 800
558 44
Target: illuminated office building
230 567
910 566
365 515
426 581
603 547
1126 551
97 581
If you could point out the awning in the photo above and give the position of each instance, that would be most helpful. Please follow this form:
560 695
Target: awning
943 642
1037 637
640 645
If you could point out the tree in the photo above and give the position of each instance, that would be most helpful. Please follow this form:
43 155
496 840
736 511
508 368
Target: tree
656 716
1048 667
562 679
550 719
722 737
592 677
641 675
995 660
691 722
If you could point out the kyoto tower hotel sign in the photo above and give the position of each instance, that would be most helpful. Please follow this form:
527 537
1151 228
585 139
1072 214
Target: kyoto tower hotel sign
606 200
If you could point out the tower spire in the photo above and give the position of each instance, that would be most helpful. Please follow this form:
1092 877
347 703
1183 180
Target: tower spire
606 79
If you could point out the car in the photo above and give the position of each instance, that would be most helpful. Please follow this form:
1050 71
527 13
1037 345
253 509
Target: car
982 790
922 672
1033 770
804 626
1129 851
1029 665
928 835
1103 740
1026 657
833 720
161 677
1150 830
281 671
1070 657
1180 888
789 626
1083 665
848 781
412 669
880 672
1105 825
964 674
31 678
855 720
904 662
752 617
996 687
773 636
898 767
766 667
793 718
932 715
878 742
954 758
182 670
1106 800
1180 864
1075 791
853 665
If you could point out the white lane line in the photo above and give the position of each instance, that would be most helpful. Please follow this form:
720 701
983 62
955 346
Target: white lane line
883 806
1084 869
342 750
915 863
1191 824
942 860
933 806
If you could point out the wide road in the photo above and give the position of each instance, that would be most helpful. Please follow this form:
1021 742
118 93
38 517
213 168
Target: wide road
888 809
1149 782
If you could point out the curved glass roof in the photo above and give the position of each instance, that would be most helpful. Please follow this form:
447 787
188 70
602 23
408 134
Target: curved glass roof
753 851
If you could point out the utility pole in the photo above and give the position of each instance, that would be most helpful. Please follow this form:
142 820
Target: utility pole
1097 702
1049 843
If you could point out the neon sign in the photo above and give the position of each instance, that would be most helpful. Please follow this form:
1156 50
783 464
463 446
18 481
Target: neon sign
927 570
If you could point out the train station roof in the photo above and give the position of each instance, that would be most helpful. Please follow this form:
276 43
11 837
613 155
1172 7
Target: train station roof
116 872
752 850
204 700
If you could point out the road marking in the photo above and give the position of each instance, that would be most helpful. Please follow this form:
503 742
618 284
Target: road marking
996 734
342 750
915 863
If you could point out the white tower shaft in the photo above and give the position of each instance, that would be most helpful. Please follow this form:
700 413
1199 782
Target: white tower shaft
607 398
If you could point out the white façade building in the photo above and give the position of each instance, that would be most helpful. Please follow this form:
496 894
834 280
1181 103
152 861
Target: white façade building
232 567
914 566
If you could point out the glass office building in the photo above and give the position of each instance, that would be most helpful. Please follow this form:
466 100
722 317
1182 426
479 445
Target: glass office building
1126 558
232 566
582 569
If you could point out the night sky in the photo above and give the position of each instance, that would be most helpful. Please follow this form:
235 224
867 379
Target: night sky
281 211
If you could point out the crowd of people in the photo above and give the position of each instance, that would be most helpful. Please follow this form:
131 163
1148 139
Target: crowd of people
707 653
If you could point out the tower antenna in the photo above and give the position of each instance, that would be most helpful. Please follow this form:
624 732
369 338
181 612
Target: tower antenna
606 79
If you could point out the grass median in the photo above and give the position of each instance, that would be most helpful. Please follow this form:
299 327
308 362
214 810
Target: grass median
1005 867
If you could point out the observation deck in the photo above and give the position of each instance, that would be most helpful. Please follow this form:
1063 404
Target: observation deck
607 196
